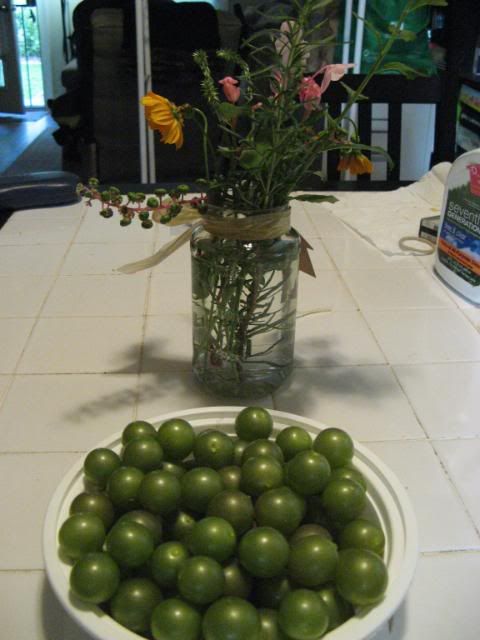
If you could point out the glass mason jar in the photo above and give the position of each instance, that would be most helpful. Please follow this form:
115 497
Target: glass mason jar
244 296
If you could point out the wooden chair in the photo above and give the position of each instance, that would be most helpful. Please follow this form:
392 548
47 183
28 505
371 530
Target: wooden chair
395 91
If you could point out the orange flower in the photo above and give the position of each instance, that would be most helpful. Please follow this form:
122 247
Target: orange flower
164 116
355 163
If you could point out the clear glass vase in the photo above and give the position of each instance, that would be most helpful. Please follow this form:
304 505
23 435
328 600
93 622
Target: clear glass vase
244 298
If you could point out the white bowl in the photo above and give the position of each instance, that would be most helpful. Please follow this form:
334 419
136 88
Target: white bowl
388 504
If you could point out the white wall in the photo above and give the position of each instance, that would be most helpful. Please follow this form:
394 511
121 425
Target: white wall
51 39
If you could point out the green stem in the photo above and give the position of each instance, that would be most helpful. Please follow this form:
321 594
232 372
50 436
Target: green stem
205 140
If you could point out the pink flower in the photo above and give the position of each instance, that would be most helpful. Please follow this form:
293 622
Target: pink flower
332 72
310 92
257 105
289 32
230 89
280 82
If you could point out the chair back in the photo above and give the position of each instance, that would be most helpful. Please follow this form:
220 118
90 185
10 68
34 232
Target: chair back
395 91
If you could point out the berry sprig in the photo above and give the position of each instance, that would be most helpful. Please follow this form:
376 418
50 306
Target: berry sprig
161 207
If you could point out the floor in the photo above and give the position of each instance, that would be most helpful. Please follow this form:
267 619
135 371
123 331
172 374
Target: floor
26 145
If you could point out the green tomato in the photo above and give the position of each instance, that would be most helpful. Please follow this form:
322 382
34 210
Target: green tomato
362 534
281 509
136 429
213 449
166 562
97 503
133 603
231 618
123 486
269 592
231 477
150 521
99 465
177 438
253 423
343 500
144 453
130 544
336 445
239 448
201 580
293 440
361 576
174 619
307 473
235 507
339 610
263 552
302 615
310 530
262 447
313 561
213 537
95 578
173 468
269 627
179 524
80 534
237 581
261 474
160 492
199 486
350 474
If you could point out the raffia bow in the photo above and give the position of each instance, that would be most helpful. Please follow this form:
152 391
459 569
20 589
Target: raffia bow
264 226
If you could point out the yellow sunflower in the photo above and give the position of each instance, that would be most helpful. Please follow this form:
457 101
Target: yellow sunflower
355 163
164 116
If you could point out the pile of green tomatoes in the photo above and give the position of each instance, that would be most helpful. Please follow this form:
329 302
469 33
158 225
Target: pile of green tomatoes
203 536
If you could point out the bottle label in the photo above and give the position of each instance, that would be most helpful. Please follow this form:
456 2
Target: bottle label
459 239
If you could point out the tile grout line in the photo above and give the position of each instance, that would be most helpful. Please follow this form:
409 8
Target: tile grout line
36 318
454 486
410 404
146 316
426 554
297 366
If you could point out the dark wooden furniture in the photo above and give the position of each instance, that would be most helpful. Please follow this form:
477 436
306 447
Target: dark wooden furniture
395 91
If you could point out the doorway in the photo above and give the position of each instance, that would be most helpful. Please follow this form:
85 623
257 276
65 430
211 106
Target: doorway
29 53
21 75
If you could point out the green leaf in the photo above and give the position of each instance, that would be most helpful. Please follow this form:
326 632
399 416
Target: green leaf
402 34
228 111
404 69
306 197
250 159
351 91
320 4
264 148
226 152
428 3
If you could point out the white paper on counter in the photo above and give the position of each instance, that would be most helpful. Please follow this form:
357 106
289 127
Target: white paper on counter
383 218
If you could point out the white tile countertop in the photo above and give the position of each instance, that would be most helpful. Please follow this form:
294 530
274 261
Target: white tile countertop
383 350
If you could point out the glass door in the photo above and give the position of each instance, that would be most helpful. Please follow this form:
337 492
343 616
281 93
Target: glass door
11 98
28 39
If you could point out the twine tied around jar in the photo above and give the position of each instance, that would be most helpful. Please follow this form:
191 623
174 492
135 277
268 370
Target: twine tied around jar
263 226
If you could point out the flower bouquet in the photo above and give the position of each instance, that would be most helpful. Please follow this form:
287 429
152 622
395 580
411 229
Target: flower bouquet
272 126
